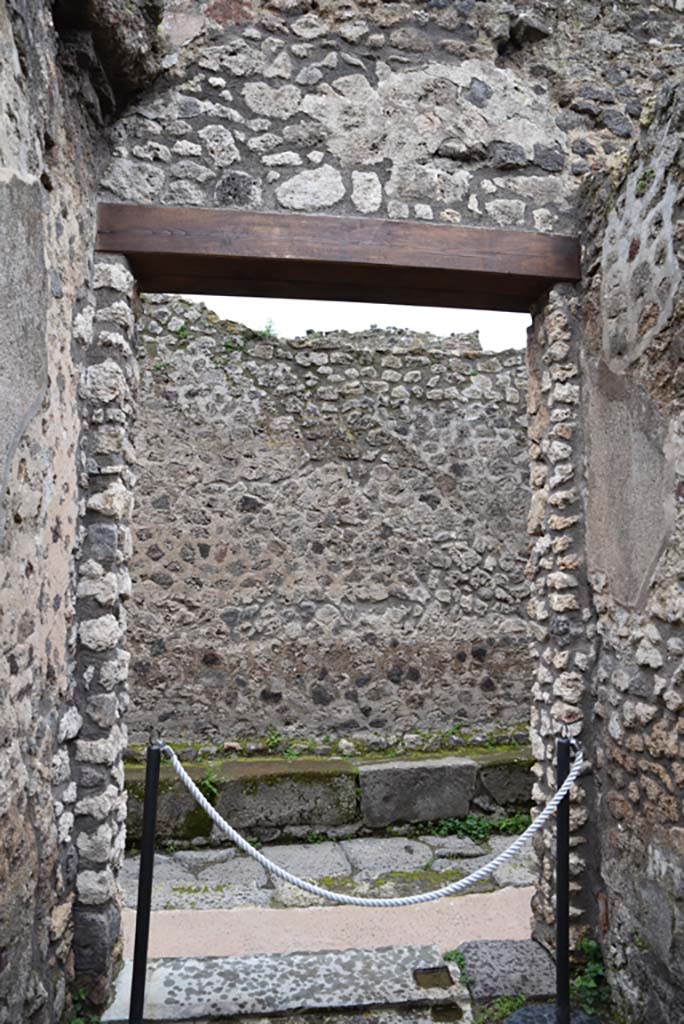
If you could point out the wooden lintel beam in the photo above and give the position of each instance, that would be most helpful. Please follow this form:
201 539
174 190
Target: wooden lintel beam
235 252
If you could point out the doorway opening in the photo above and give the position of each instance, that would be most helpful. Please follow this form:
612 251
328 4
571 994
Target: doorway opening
350 410
330 529
329 554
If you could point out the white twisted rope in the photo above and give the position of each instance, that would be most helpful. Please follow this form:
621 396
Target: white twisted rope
360 901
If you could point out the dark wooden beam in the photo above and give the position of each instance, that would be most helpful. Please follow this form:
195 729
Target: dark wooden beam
233 252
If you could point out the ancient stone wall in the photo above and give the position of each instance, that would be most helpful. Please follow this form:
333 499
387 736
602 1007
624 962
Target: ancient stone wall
55 96
470 112
631 364
458 111
330 535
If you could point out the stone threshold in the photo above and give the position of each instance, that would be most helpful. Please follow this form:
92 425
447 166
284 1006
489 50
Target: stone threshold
252 931
217 988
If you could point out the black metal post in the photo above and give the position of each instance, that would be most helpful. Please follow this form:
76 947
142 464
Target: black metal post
142 919
563 887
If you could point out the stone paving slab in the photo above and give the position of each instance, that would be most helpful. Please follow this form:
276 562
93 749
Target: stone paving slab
290 896
311 860
168 870
393 1015
521 871
547 1015
240 871
373 857
211 897
400 1015
194 859
452 846
505 968
199 882
212 987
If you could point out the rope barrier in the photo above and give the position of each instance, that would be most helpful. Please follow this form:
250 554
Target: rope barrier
358 901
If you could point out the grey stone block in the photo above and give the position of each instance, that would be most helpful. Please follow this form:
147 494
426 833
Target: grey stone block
96 933
188 989
509 783
547 1015
178 816
251 795
453 847
416 790
508 968
301 797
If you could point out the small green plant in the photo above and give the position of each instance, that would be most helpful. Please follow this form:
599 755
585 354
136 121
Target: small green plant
588 989
208 785
644 182
268 331
183 333
273 739
499 1010
455 956
230 345
514 824
160 367
314 837
79 1009
474 826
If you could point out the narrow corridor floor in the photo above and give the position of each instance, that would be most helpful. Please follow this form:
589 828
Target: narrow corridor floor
216 902
223 879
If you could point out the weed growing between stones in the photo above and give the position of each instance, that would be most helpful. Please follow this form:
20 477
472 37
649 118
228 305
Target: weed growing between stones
208 785
273 740
588 988
455 740
474 826
315 837
455 956
499 1010
644 182
80 1014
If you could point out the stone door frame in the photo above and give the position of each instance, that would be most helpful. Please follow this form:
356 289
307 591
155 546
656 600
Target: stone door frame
232 252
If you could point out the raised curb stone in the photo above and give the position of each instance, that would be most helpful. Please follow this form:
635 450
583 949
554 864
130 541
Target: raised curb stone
278 800
416 791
